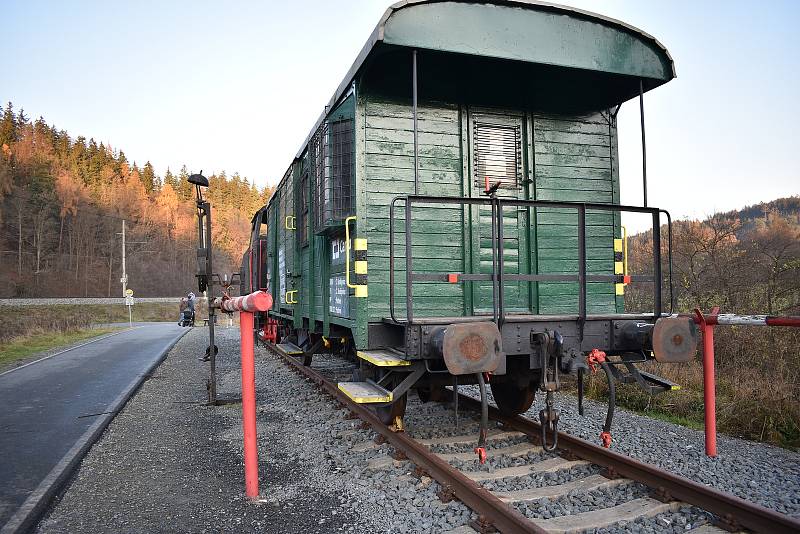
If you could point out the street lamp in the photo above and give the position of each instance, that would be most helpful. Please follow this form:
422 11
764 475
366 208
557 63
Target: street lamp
205 275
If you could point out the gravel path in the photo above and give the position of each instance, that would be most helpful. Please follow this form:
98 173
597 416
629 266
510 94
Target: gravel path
168 463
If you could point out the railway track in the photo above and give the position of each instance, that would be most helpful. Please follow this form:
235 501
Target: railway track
506 495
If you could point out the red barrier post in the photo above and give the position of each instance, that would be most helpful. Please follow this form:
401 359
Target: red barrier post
259 301
709 384
249 405
707 324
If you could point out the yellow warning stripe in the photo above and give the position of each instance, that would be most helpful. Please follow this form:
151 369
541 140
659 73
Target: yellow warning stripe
380 362
366 400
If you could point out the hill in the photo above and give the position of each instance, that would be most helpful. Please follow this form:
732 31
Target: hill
62 203
748 262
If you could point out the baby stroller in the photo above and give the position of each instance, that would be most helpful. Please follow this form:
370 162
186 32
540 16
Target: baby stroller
187 318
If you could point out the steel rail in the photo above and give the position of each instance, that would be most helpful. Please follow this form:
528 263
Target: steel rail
501 515
732 510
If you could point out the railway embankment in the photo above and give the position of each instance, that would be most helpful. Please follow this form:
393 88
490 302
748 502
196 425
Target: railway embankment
168 462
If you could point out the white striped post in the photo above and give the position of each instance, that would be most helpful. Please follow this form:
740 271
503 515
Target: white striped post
707 324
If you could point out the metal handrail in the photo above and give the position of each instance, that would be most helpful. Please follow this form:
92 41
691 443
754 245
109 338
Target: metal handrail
497 252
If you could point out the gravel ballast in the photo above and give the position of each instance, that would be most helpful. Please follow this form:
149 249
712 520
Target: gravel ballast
756 472
168 463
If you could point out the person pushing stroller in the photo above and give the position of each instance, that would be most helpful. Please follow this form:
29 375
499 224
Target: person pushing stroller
187 310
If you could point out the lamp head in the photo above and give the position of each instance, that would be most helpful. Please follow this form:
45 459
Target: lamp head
198 180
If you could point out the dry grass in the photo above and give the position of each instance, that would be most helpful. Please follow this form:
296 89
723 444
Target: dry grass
23 347
757 397
23 321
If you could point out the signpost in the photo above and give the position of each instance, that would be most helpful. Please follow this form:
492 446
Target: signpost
129 304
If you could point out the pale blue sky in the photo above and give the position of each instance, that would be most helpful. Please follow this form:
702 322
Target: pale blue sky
238 85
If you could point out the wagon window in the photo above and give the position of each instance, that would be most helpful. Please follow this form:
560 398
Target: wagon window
332 150
302 210
497 154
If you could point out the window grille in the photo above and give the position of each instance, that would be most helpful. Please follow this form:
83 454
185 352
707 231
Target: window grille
497 153
302 210
332 154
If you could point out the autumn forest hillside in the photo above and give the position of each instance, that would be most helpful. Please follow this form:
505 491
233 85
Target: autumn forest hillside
748 262
62 203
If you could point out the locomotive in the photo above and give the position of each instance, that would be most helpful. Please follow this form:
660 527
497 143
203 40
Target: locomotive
454 214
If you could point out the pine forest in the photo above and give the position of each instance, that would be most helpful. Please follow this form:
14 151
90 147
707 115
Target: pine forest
62 205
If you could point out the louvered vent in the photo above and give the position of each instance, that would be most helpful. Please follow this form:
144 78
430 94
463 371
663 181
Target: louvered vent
497 154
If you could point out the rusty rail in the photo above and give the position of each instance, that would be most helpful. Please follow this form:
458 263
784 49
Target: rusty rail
733 512
499 514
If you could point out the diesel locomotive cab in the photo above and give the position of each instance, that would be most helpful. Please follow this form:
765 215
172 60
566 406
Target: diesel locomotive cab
454 215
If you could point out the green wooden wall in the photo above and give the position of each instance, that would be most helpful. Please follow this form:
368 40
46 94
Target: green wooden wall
568 158
573 161
388 171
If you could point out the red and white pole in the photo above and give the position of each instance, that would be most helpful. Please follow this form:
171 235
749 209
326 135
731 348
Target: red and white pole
259 301
709 384
707 324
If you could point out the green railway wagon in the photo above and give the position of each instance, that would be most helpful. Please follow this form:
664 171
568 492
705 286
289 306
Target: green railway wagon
455 211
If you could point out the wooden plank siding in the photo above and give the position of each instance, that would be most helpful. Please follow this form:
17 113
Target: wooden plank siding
572 158
574 161
436 230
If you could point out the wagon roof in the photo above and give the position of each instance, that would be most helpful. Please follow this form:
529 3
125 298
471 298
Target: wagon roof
521 30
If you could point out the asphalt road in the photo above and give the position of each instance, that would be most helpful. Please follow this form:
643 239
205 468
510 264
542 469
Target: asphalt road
48 406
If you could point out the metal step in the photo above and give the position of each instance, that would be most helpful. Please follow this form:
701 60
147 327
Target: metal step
660 382
365 392
383 358
289 348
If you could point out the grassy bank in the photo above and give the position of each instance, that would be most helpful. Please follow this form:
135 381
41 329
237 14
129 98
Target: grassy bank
22 347
24 321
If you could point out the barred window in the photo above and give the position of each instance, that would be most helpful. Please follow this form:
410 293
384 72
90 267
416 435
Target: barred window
302 210
332 152
497 151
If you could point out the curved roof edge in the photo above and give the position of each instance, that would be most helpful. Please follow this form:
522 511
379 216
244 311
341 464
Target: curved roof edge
377 35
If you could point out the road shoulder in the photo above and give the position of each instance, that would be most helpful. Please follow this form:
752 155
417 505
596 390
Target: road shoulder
103 332
36 503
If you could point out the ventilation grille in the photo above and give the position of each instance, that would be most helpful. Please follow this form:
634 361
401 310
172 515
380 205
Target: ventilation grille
302 209
497 152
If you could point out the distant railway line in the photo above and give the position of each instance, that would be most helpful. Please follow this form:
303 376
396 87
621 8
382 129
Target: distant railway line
81 301
512 444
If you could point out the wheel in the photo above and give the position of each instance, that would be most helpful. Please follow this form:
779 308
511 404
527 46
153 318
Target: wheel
387 414
435 393
512 398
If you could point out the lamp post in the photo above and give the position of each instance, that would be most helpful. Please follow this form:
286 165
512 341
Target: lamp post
205 275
